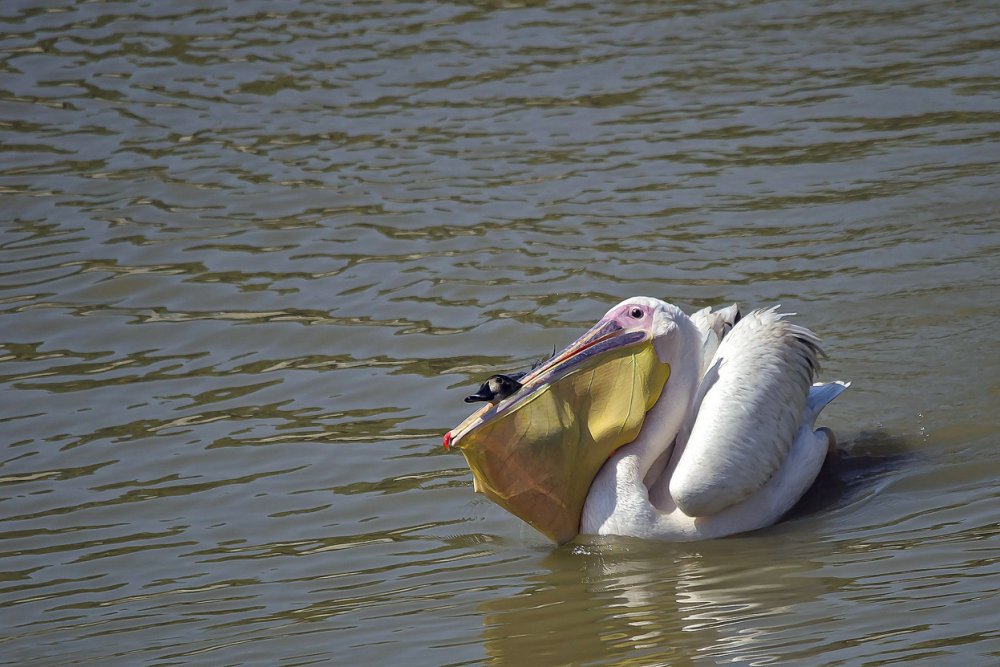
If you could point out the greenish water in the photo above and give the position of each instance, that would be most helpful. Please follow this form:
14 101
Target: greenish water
253 257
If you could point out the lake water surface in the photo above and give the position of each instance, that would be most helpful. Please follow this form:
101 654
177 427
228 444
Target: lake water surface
253 256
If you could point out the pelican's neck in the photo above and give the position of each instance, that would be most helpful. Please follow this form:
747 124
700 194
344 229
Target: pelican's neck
618 497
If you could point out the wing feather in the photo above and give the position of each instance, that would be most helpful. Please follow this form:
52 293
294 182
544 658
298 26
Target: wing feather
714 326
746 414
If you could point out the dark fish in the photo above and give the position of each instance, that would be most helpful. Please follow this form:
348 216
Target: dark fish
497 388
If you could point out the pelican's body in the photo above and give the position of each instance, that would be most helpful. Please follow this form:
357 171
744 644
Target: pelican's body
728 443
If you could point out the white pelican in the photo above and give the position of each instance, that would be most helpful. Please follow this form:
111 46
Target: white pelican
658 425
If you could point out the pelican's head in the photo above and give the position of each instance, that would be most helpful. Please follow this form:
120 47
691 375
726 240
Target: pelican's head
536 452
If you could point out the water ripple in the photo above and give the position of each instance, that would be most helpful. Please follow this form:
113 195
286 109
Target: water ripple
252 257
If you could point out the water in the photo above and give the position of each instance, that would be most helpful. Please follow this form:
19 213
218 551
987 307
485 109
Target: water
252 258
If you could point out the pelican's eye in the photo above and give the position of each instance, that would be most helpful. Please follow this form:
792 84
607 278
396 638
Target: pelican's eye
636 313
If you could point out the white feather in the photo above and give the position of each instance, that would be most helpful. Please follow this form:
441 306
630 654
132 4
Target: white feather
714 325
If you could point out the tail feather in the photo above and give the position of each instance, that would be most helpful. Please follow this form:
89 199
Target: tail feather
820 395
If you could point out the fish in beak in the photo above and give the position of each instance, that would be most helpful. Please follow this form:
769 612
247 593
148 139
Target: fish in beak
536 450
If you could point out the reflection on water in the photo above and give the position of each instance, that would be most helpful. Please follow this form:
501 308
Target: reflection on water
252 257
675 603
668 605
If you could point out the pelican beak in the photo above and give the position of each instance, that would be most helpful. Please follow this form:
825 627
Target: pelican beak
536 452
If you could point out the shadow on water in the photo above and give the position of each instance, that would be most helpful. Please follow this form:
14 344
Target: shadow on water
857 470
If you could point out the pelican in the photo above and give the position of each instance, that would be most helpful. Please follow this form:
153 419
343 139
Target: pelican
657 425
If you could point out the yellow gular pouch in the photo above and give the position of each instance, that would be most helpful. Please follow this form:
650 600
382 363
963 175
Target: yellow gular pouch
538 459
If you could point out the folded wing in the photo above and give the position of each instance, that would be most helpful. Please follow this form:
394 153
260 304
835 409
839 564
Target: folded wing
746 414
